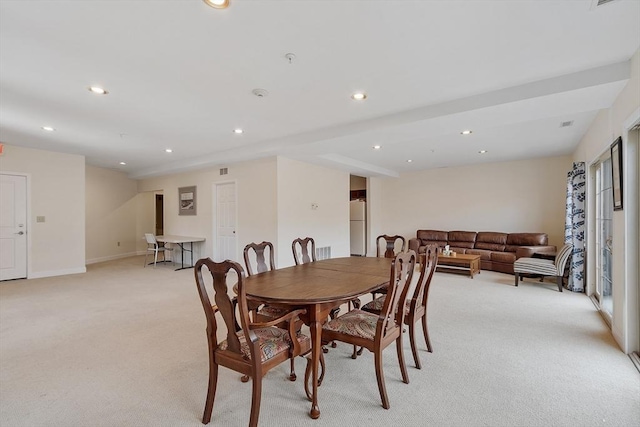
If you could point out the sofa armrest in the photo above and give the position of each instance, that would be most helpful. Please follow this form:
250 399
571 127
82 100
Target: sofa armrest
414 245
528 251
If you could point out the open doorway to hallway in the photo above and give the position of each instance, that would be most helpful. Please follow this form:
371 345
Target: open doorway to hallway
159 228
358 215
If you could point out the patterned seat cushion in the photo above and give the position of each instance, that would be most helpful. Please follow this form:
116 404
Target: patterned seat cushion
541 266
272 312
375 306
273 341
356 323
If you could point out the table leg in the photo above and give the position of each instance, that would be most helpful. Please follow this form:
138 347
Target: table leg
315 327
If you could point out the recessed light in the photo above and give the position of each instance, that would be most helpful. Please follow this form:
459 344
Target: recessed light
482 151
409 161
97 90
218 4
376 147
238 131
466 132
123 163
359 96
168 150
47 128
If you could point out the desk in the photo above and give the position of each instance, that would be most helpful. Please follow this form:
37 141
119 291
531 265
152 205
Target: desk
181 241
318 287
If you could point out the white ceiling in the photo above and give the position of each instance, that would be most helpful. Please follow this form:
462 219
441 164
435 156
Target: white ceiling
180 76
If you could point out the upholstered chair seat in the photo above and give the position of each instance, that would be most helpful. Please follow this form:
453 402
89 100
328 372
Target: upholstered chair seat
271 341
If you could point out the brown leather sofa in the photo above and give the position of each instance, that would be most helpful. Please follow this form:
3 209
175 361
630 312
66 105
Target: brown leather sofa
498 251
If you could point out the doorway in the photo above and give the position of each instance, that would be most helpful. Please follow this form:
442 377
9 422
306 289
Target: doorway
604 236
159 214
358 215
225 197
13 226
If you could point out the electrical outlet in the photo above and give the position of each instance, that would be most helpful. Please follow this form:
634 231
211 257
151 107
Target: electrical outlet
118 243
314 206
40 219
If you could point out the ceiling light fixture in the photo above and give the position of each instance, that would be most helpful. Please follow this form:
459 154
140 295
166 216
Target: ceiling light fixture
409 161
123 163
47 128
217 4
376 147
482 151
238 131
97 90
359 96
466 132
168 150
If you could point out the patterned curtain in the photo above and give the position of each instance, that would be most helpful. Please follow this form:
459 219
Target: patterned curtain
575 224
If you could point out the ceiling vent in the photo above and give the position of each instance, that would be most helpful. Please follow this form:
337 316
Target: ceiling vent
224 171
566 124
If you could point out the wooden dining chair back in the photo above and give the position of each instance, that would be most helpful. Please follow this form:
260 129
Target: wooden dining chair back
375 332
255 348
389 243
416 307
259 250
304 250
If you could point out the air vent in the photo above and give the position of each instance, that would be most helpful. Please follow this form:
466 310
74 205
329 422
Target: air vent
224 171
566 124
323 253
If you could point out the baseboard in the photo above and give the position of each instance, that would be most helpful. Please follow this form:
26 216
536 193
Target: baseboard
51 273
113 257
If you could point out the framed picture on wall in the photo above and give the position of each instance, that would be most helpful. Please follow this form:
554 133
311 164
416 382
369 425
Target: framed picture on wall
187 201
616 172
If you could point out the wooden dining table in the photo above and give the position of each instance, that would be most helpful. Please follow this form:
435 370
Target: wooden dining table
318 287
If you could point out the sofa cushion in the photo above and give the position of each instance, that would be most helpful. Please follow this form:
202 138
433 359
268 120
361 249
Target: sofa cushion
484 254
491 241
462 239
527 239
433 236
505 257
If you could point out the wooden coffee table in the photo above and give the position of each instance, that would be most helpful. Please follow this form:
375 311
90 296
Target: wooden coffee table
466 263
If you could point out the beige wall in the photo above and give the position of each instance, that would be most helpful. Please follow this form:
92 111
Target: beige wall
111 210
607 126
56 186
256 204
521 196
299 186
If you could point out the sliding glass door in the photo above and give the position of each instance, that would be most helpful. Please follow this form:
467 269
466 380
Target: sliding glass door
604 237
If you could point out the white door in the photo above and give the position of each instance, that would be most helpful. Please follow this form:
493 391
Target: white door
225 221
13 227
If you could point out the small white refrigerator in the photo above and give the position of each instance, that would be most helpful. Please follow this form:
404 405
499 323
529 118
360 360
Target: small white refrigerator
358 221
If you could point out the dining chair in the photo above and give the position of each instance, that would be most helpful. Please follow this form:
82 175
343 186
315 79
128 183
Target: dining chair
375 332
541 267
416 307
154 247
265 312
301 253
253 350
389 245
389 252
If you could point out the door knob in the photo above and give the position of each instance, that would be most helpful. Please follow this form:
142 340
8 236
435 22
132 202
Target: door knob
20 233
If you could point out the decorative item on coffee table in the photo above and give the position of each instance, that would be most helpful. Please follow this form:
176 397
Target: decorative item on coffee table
450 262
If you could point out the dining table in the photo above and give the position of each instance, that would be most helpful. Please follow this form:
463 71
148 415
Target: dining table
181 241
318 287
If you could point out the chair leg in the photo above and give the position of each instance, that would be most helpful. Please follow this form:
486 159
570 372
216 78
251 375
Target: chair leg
559 280
380 377
412 338
292 375
211 392
426 333
516 275
403 364
255 400
155 259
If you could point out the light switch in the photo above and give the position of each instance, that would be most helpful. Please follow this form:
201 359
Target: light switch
40 219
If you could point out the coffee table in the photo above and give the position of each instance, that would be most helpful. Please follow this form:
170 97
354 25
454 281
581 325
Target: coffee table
466 263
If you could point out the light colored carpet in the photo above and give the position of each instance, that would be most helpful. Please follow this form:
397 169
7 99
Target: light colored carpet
126 346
